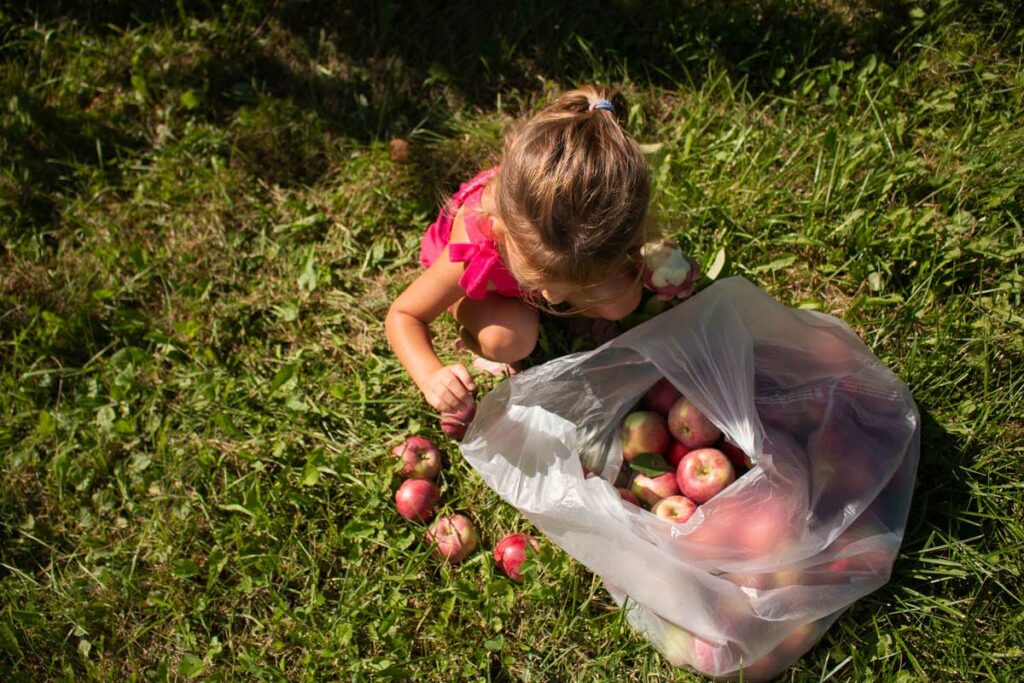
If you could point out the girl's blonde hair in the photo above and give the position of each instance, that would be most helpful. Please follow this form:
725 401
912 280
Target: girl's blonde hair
572 193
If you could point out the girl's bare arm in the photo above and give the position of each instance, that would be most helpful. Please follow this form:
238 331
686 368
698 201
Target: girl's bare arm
446 388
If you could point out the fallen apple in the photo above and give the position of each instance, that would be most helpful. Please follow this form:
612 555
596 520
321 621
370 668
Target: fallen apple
666 271
454 537
455 424
398 149
690 427
644 431
652 489
416 499
511 551
676 509
703 474
661 396
419 457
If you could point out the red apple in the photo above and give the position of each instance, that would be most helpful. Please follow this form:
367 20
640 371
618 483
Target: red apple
690 427
799 641
676 453
455 424
510 553
661 396
840 565
764 669
416 498
420 458
705 656
738 458
652 489
627 495
453 537
399 151
703 474
643 432
830 349
666 271
676 509
766 528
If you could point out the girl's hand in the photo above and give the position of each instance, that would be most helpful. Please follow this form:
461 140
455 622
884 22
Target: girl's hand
450 389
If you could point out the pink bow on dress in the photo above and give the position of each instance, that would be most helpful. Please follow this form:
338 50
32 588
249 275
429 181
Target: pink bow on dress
481 258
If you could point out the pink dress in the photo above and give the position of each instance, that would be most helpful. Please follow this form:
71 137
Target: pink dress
485 272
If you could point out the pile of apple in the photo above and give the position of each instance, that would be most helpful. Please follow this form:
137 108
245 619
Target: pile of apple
678 458
453 537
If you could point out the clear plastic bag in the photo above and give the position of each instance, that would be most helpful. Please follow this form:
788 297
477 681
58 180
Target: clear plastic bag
758 573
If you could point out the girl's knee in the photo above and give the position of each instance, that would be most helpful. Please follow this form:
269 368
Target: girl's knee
507 345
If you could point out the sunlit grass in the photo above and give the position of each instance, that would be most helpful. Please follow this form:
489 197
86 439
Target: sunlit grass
202 230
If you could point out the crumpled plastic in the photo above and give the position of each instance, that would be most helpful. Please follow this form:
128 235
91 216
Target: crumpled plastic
759 572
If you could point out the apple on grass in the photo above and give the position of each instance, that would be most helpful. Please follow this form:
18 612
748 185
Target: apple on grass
644 431
399 151
416 499
676 509
661 396
703 474
689 427
511 551
455 424
652 489
454 537
666 271
419 457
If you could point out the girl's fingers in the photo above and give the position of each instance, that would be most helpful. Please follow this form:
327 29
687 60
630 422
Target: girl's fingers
455 403
457 396
462 374
452 389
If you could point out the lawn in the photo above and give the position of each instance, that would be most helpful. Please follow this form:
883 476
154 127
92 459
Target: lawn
201 230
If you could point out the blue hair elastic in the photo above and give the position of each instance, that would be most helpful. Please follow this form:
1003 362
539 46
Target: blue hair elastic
601 104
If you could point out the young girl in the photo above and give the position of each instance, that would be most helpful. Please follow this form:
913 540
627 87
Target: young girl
559 221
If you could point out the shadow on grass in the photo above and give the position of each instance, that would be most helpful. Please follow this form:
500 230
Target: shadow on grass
941 497
405 63
368 71
510 46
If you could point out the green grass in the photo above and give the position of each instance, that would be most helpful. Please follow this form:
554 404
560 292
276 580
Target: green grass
202 230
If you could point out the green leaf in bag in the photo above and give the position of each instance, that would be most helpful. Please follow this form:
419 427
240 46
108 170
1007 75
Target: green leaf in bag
651 464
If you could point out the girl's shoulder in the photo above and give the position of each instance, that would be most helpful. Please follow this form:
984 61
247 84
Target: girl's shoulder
473 186
471 221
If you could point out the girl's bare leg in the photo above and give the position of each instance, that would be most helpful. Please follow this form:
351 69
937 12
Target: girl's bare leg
498 328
